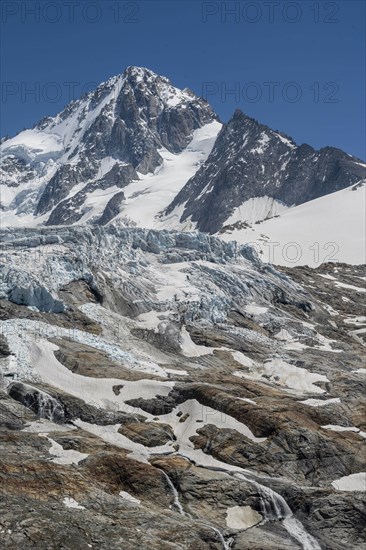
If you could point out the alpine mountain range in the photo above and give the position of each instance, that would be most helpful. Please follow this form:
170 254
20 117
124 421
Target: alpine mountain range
138 135
161 386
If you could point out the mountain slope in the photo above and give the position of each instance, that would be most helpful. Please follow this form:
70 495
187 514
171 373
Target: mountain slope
172 380
250 160
145 198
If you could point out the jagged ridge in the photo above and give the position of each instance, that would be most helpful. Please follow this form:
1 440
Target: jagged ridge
251 160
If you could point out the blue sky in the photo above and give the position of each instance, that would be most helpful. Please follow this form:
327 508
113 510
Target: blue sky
295 66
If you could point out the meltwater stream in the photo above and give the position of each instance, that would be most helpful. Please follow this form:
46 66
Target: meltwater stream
225 544
274 508
175 494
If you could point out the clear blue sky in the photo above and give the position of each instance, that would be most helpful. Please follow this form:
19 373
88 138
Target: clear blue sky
269 52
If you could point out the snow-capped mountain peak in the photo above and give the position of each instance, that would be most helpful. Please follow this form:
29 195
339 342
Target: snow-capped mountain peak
143 80
100 142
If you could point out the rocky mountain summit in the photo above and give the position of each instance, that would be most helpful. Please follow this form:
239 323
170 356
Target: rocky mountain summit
170 390
101 141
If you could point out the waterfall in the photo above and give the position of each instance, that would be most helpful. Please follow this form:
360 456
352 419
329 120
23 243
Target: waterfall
41 403
275 508
176 501
48 407
295 528
225 544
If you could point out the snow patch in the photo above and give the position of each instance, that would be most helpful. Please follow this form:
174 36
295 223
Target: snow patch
336 428
63 456
126 496
254 309
242 359
189 348
320 402
242 517
71 503
255 210
353 482
277 371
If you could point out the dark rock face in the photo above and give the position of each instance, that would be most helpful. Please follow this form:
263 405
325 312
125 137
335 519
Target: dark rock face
4 348
65 178
74 408
251 160
149 117
156 406
112 209
149 434
71 210
13 415
119 175
121 473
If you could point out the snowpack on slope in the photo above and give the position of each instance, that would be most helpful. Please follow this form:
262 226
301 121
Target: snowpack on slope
330 228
